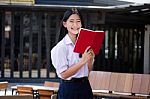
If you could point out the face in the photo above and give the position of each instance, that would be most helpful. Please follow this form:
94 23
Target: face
73 24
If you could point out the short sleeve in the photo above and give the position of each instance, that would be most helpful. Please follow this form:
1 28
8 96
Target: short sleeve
59 58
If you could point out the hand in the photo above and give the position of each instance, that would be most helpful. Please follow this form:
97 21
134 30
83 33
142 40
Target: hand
88 55
91 52
91 61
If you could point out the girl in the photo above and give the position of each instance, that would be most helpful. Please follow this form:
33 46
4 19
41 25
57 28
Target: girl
70 67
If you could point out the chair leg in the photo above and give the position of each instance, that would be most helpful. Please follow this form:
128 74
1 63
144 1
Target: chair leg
5 91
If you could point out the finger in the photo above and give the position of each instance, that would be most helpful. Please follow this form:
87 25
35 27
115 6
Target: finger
87 49
91 52
88 52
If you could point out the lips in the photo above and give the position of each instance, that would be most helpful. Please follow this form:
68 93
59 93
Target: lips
75 29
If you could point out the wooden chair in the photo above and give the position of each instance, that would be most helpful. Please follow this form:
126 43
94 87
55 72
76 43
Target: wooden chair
120 85
124 83
113 82
22 90
141 84
104 80
4 86
100 82
92 80
45 94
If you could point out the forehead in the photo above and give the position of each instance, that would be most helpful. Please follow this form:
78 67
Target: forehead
74 16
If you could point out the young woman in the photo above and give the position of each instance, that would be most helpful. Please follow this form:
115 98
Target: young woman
71 67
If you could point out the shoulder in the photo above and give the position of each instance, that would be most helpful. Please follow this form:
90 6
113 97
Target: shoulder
60 46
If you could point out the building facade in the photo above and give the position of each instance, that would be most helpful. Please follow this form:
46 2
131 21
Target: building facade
28 32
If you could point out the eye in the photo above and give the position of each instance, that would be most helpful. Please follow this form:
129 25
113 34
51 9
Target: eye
71 21
79 21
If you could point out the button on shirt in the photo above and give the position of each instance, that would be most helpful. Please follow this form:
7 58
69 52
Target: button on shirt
63 57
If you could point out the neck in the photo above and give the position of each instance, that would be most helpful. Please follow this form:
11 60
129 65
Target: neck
73 38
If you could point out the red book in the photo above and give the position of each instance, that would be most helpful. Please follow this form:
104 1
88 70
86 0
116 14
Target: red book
87 38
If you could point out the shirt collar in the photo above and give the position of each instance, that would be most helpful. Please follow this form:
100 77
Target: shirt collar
68 40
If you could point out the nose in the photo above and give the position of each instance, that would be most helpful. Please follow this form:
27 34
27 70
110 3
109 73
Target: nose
76 24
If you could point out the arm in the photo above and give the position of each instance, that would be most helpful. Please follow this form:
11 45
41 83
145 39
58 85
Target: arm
91 61
90 64
73 69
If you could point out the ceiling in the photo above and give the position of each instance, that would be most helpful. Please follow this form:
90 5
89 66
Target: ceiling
134 10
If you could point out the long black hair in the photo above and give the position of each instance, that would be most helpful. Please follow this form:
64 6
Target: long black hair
62 31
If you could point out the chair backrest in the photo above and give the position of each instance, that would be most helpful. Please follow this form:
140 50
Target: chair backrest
99 80
141 83
103 79
51 84
4 86
17 97
113 81
121 82
124 83
24 90
92 80
45 94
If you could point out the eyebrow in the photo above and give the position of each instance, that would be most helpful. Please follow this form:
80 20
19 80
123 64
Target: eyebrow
75 19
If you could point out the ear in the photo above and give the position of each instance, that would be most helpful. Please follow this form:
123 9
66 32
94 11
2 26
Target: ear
64 24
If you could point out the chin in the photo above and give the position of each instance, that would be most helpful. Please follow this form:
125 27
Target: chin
76 32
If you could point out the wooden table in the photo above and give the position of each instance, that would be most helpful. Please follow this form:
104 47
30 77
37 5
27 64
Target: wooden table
35 88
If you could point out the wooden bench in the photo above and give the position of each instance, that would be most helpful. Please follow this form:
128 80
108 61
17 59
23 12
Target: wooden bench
120 85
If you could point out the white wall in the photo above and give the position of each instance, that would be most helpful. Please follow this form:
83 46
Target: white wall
147 50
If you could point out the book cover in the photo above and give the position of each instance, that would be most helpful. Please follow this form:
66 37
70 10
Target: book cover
87 38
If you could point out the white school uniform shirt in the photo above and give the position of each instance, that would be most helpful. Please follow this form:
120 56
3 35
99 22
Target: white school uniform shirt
63 57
